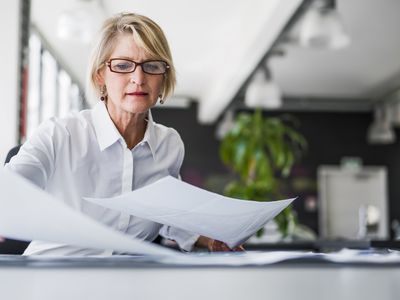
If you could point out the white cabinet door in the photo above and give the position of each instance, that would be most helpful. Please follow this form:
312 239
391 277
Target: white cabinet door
348 198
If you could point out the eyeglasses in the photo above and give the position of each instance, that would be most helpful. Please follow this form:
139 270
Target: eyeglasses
152 67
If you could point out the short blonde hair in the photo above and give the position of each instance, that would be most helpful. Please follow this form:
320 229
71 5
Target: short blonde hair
148 36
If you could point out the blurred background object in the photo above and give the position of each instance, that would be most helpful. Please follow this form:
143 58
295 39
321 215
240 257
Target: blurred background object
260 151
353 203
322 27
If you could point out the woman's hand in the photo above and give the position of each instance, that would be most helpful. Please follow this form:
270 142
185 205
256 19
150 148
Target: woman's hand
215 245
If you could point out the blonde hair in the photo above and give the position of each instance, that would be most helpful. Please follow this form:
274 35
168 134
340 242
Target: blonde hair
147 35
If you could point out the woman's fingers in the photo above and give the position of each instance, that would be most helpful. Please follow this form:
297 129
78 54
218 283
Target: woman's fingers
219 246
239 248
224 247
215 245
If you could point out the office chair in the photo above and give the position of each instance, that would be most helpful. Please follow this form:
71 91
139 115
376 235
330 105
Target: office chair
10 246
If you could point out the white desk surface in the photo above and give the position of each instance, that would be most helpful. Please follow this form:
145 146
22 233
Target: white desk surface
130 278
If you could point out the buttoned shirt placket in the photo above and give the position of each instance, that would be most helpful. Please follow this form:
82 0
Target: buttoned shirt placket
126 187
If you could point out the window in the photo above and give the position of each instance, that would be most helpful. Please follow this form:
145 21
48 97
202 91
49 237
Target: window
51 90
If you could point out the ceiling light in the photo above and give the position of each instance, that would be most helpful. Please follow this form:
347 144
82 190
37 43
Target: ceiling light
322 27
380 131
263 92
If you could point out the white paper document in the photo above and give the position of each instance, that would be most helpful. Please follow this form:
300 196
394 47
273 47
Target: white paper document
175 203
29 213
272 257
362 256
251 258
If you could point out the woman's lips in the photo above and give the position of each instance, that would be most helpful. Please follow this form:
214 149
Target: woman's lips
137 94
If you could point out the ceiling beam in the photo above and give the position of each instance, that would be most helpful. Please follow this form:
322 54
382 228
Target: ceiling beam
229 83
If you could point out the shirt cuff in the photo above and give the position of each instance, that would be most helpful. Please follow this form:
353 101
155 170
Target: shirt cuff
183 238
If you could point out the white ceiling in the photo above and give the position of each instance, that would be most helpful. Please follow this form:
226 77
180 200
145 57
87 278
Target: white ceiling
368 68
217 44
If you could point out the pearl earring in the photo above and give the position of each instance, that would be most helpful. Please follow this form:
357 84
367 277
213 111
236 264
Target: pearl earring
161 99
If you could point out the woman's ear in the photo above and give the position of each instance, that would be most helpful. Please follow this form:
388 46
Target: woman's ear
100 77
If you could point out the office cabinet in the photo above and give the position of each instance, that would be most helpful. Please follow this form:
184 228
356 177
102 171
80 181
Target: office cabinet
353 202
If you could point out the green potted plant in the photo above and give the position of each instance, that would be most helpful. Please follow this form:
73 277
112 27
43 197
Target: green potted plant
260 151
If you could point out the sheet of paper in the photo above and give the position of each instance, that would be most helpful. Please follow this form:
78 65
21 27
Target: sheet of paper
272 257
175 203
251 258
29 213
362 256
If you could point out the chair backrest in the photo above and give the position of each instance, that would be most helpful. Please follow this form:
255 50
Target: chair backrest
11 153
10 246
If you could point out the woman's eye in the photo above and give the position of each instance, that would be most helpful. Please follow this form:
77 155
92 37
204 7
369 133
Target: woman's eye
123 66
153 67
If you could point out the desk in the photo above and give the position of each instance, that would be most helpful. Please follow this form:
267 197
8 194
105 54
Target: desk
323 245
136 278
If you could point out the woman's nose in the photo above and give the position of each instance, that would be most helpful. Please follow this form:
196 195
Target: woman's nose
137 76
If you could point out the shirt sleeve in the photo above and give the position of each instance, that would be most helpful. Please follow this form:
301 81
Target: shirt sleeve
36 159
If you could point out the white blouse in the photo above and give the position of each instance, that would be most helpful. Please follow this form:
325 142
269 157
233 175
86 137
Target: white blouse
84 155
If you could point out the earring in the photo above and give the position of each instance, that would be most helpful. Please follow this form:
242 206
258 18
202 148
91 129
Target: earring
161 99
103 93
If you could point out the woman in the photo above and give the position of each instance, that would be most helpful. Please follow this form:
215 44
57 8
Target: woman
116 146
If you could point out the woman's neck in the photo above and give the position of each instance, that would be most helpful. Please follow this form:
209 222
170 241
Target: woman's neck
131 126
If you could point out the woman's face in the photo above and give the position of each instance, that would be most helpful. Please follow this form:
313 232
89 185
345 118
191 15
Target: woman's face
130 93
